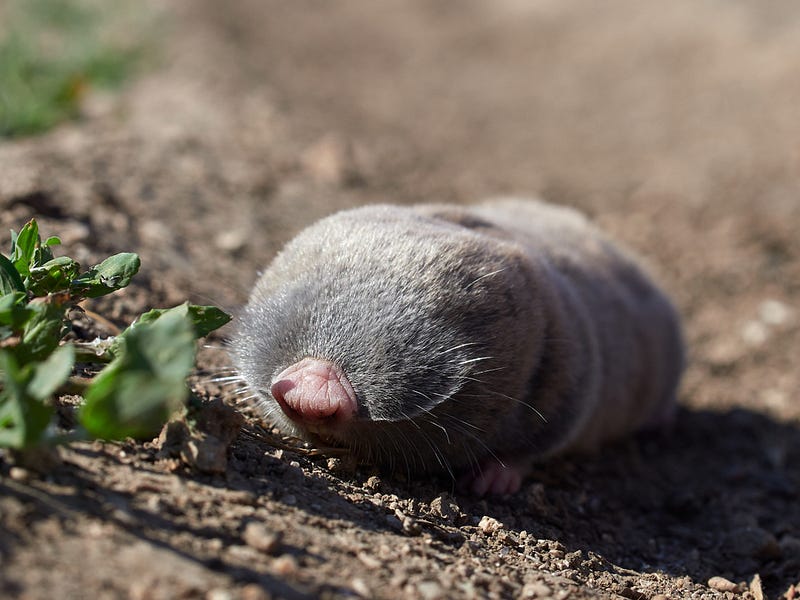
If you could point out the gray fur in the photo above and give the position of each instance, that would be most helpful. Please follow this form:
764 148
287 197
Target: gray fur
512 329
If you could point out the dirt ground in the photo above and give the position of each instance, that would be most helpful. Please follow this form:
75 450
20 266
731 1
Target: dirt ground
676 126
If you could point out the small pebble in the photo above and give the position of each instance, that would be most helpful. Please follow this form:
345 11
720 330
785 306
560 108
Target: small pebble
773 312
96 530
206 454
331 160
724 585
536 589
368 560
241 554
373 483
232 240
253 591
361 588
19 474
446 508
411 527
257 536
754 333
755 587
429 590
285 565
489 525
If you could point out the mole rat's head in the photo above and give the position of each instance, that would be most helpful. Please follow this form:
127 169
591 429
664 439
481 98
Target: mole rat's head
403 338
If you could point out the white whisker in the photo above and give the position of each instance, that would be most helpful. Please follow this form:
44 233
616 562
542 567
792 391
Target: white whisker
484 277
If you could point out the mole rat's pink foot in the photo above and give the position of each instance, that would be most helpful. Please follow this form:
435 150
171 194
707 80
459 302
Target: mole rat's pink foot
495 478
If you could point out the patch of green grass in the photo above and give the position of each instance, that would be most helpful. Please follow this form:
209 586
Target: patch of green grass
53 51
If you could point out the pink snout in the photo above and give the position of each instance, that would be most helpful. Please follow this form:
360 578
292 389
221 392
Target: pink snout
315 391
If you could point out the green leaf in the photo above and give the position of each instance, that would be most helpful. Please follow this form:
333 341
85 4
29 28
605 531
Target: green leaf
112 274
51 373
41 255
42 331
23 247
13 240
23 419
205 319
138 391
10 281
52 241
10 307
13 314
53 276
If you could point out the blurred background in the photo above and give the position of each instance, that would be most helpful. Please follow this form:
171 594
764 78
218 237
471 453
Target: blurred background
203 135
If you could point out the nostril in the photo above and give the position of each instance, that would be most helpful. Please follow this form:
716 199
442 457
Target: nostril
280 387
315 390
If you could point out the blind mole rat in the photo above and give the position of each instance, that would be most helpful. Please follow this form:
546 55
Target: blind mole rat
469 340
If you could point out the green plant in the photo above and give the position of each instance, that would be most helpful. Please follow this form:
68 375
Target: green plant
145 367
52 51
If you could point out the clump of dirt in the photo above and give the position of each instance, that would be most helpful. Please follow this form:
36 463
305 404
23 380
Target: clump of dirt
675 129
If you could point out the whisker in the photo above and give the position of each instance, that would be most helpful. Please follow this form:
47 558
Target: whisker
492 392
444 430
474 360
484 277
246 391
490 370
227 379
482 443
464 345
224 346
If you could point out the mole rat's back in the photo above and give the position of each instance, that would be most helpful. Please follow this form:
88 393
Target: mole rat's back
448 338
634 325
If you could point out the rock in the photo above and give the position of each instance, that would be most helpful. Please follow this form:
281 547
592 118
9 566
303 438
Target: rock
429 590
219 594
204 447
220 420
536 589
253 591
489 525
754 333
445 507
19 474
232 240
755 587
724 585
373 483
285 565
361 588
369 561
774 312
332 160
206 454
256 535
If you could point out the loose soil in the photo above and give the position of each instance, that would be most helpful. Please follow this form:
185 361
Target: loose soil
676 127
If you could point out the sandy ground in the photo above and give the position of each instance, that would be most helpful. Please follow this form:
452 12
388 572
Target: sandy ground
675 126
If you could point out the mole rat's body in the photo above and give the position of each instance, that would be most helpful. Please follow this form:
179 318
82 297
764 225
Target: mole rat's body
468 340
